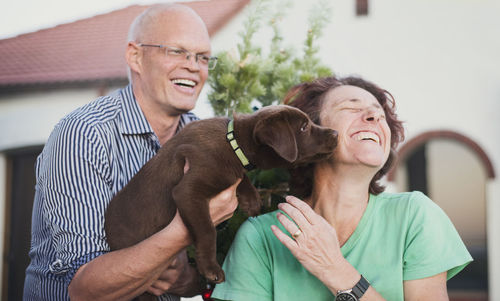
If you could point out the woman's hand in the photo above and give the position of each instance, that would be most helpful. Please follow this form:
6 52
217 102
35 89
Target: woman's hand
315 245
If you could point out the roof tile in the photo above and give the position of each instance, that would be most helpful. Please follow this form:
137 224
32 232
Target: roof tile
90 49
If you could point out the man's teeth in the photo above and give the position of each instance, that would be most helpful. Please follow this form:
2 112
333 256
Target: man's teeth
184 82
367 136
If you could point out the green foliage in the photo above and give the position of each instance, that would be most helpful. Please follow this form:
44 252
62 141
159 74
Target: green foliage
245 75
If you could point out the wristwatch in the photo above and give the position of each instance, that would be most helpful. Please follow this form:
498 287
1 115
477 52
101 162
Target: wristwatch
355 293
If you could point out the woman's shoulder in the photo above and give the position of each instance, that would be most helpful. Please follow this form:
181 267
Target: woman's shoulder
415 205
401 196
264 220
414 200
256 231
259 227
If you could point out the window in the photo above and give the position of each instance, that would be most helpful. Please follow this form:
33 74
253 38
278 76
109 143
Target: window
361 7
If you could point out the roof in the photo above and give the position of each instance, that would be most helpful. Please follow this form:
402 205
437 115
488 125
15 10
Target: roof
87 50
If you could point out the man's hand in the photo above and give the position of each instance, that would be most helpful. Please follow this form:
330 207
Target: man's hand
223 205
179 278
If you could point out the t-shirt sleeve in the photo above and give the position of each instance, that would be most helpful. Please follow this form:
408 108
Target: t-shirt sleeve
432 244
247 268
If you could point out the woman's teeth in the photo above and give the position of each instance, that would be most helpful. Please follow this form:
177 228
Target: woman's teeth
367 136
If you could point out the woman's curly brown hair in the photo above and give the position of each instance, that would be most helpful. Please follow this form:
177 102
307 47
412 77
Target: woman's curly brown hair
309 98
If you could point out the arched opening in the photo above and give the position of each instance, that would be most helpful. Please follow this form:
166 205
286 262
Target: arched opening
453 171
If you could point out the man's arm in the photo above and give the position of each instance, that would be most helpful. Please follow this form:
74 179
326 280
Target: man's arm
180 278
126 273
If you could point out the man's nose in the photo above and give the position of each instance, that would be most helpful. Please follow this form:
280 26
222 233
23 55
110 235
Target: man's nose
192 62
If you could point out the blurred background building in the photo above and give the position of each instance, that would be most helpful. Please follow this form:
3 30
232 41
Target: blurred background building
439 59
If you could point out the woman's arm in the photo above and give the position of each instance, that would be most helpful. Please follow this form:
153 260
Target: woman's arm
430 288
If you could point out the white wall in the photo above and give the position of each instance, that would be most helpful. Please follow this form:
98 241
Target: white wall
3 183
28 119
493 216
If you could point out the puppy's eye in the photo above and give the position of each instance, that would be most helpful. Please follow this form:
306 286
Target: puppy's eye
303 128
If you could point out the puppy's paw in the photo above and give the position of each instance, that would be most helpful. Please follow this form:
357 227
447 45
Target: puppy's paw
250 204
213 273
253 208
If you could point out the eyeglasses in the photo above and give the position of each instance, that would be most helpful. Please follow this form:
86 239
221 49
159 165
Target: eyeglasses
206 61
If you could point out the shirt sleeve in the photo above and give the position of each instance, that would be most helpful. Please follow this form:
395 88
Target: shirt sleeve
247 268
432 244
75 194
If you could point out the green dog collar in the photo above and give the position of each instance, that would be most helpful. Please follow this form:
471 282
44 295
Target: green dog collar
236 148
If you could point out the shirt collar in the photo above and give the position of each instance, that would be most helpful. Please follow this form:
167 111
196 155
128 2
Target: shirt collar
133 119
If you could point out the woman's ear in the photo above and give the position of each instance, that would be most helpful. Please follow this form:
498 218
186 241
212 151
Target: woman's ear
133 55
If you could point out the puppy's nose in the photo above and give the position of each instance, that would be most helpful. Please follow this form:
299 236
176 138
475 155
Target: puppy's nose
334 135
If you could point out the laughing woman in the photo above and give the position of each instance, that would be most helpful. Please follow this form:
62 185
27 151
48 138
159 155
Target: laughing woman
348 240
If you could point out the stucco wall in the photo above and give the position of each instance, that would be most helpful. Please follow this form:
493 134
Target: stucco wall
28 119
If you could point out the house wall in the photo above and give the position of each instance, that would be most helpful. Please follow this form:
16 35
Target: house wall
3 195
31 117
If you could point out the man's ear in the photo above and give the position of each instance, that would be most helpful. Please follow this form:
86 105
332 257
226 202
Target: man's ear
133 55
275 131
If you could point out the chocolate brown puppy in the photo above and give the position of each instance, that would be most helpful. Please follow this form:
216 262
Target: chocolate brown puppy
274 136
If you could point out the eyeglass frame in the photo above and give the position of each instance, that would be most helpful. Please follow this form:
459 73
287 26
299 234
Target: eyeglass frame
185 53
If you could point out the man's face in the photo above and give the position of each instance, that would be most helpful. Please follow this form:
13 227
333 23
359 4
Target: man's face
173 83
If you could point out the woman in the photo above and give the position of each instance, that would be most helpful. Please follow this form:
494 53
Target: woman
349 239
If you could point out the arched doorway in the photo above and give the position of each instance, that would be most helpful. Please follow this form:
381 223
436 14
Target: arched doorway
453 171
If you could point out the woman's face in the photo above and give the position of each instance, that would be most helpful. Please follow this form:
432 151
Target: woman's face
359 119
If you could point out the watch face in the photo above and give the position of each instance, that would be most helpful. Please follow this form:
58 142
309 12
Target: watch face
345 297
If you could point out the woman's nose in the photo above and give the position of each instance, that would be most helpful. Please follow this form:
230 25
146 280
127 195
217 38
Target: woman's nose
372 116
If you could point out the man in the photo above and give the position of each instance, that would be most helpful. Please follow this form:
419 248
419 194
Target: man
94 151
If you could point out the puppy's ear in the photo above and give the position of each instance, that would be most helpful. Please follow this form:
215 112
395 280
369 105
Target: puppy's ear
275 131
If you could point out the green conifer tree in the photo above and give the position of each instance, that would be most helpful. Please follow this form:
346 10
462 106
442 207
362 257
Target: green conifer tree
246 76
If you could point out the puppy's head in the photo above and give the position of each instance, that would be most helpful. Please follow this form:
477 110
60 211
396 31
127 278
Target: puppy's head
292 135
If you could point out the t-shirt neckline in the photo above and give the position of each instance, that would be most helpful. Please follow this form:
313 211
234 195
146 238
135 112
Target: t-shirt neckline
351 242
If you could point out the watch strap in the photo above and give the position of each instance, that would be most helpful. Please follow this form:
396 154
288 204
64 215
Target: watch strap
360 288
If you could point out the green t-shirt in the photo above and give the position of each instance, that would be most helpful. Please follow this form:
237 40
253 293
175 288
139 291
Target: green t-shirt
401 236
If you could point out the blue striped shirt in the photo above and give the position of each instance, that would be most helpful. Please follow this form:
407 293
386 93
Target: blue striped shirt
90 155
